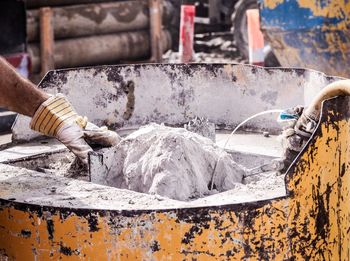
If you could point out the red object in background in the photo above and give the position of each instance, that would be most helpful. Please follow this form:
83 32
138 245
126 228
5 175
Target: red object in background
187 33
21 62
255 38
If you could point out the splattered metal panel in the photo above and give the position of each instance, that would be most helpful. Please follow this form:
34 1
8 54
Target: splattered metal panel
313 34
311 222
133 95
319 186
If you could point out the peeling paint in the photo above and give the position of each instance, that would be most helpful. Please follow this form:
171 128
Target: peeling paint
272 3
312 34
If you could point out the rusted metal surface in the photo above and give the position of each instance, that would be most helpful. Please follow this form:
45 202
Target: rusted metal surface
320 177
310 222
313 34
102 49
226 94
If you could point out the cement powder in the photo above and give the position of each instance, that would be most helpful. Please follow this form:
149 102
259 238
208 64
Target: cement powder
63 164
201 126
174 163
261 187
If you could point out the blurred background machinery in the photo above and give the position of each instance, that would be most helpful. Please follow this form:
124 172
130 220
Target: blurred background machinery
42 35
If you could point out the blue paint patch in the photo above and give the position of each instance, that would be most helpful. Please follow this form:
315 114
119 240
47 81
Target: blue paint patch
309 40
289 16
320 42
324 3
314 50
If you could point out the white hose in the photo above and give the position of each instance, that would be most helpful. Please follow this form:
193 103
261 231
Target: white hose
337 88
233 132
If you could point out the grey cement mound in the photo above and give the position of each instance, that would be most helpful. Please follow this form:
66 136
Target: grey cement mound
174 163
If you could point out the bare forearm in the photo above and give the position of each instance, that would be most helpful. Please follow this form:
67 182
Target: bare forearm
17 93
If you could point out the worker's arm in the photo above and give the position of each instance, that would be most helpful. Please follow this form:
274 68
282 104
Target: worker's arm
51 115
18 94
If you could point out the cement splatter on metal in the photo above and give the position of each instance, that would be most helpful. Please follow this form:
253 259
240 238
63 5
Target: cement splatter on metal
223 93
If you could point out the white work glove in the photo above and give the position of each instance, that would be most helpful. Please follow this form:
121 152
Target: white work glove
57 118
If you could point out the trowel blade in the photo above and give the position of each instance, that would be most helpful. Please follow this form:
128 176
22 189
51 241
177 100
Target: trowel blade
100 163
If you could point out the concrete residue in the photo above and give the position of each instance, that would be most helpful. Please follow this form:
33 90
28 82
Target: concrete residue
71 168
140 166
261 187
23 185
201 126
62 163
172 162
155 160
129 91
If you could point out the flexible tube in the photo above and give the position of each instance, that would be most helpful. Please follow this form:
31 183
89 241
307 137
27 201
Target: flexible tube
337 88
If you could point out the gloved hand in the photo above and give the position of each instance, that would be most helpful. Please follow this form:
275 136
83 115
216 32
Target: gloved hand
57 118
295 135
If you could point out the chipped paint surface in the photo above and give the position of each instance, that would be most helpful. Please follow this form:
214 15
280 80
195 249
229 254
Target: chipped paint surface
319 183
312 34
329 9
311 222
303 14
157 235
271 4
175 93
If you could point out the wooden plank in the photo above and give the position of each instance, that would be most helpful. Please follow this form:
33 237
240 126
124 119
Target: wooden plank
46 40
156 30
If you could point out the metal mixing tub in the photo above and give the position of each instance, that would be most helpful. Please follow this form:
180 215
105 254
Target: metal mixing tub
45 216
